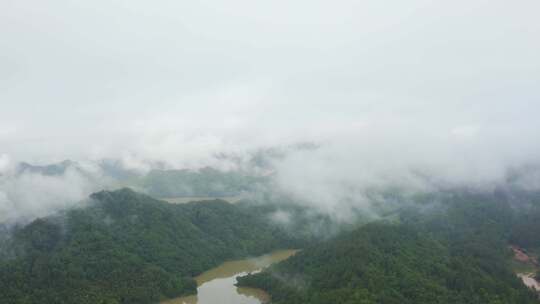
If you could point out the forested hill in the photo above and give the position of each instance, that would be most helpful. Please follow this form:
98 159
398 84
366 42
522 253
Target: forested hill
457 254
127 248
382 263
204 182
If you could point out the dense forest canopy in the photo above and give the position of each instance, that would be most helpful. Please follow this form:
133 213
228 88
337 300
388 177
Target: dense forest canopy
124 247
128 248
457 254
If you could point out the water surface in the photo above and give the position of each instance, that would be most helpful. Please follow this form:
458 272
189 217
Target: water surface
216 286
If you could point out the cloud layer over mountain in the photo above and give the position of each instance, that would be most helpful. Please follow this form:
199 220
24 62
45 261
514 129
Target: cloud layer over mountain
389 90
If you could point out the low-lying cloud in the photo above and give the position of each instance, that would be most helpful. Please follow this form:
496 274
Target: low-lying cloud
415 95
348 170
25 196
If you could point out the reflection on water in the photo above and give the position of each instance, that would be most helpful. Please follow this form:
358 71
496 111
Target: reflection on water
216 286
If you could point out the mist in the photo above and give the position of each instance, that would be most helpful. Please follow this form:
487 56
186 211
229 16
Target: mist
25 196
417 96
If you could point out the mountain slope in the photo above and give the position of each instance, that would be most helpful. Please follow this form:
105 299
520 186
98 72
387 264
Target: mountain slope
204 182
457 254
127 248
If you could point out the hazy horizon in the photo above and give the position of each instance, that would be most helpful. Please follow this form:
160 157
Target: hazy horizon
388 91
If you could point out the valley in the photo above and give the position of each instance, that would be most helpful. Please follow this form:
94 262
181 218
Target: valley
269 152
126 247
218 285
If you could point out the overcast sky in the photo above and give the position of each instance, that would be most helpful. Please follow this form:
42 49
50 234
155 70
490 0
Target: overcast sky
180 80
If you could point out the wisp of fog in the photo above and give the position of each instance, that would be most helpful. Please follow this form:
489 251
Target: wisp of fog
414 95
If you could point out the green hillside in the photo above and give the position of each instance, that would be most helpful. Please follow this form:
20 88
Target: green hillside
127 248
204 182
456 254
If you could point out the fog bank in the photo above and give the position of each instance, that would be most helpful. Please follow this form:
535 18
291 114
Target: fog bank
418 95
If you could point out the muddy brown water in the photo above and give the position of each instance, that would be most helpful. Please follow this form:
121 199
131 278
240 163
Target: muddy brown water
216 286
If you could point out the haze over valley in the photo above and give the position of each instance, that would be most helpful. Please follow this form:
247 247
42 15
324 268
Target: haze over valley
282 152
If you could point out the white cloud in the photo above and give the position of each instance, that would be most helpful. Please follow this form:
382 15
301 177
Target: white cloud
5 164
217 75
26 196
449 88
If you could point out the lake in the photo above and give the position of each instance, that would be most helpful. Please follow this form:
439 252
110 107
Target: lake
216 286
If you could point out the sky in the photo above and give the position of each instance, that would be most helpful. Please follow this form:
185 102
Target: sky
386 88
179 81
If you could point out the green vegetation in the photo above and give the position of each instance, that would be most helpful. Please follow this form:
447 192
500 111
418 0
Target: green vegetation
128 248
305 225
204 182
525 231
448 247
455 254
